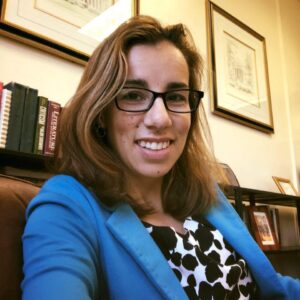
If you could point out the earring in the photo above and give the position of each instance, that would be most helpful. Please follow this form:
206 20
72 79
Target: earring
101 132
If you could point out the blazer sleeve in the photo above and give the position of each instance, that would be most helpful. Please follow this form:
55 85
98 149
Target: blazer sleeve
292 287
60 245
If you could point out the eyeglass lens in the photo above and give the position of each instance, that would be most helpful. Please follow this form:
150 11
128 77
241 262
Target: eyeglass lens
135 99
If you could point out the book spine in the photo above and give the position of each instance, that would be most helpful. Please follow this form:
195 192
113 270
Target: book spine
274 212
16 115
40 125
4 116
53 113
1 89
29 120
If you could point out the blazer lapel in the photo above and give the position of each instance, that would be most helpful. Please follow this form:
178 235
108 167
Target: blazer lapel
225 219
129 231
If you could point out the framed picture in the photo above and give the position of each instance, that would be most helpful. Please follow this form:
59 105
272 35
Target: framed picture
238 71
68 28
229 176
262 227
285 186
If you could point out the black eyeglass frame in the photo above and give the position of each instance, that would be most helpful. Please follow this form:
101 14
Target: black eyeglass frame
163 96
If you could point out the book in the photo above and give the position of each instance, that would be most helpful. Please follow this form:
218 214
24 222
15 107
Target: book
1 89
40 125
53 112
29 120
15 115
274 212
4 116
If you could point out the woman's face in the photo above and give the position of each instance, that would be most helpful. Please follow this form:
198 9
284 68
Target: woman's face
149 143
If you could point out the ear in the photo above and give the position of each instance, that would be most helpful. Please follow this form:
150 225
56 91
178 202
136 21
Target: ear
101 122
100 128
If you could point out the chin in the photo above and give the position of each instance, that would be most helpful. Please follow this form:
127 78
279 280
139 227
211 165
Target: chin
156 173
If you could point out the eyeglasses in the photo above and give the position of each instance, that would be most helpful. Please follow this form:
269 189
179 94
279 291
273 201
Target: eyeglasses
134 99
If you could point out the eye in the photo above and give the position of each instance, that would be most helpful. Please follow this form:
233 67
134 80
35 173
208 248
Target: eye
177 96
132 95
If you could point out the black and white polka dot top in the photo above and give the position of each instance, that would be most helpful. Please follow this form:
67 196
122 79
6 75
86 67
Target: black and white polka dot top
205 264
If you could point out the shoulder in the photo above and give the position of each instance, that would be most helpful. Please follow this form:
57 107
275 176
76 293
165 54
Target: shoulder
291 285
62 192
64 184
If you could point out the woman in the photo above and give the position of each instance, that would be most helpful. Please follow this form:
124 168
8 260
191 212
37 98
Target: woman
137 214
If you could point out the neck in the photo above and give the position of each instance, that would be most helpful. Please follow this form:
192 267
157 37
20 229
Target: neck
147 191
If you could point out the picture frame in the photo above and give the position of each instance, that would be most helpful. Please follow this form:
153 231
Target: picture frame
229 176
262 227
238 71
69 29
285 186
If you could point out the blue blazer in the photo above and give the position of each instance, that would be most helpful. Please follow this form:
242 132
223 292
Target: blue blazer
77 248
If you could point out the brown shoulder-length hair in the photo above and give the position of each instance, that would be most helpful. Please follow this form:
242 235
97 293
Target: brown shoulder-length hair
189 188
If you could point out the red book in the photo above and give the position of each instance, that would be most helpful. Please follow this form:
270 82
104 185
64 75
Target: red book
53 112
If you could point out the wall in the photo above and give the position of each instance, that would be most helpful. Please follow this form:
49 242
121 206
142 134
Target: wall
290 33
254 156
54 77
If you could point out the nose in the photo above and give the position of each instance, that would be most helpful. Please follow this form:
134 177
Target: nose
158 116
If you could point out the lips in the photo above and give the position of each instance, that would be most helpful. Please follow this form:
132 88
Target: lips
154 145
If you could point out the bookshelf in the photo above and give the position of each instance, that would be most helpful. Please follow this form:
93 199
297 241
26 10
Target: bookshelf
21 159
253 196
28 166
284 258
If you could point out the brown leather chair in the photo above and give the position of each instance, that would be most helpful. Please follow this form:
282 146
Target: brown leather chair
15 195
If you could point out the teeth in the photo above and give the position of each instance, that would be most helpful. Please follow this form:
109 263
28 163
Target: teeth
154 145
142 143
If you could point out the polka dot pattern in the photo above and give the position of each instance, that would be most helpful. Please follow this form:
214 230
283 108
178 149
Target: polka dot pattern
204 263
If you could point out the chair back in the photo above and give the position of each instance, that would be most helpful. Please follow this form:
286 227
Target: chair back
15 194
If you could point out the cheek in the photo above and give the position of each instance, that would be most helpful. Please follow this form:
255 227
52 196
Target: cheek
184 126
122 130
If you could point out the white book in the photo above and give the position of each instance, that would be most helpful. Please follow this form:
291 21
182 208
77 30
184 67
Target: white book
4 116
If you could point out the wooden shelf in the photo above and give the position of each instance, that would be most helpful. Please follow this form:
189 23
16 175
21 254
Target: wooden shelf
283 259
25 165
285 249
22 160
286 261
240 194
259 196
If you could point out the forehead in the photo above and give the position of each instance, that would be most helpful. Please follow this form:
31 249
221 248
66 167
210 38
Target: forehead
164 48
157 62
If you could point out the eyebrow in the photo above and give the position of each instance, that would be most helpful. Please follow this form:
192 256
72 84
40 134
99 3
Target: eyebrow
144 84
136 82
177 85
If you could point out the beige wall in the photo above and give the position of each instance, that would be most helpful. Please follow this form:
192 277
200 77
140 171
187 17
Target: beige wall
54 77
254 156
290 33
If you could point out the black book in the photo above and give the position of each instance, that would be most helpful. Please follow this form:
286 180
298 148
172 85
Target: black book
40 125
29 120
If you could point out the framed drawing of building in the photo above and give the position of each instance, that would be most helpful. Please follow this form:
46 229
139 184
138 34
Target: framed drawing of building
68 28
238 71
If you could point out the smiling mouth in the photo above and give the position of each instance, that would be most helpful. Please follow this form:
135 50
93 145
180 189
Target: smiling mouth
154 145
